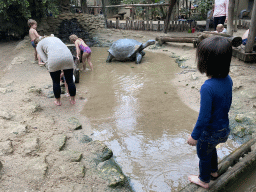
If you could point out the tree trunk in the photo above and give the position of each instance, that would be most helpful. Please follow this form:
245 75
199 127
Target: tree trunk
167 20
236 14
230 28
252 33
104 13
84 6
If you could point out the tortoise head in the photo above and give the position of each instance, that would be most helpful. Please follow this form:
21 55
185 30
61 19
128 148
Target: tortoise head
149 42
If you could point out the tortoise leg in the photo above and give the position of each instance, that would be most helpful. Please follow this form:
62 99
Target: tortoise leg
110 57
138 58
142 53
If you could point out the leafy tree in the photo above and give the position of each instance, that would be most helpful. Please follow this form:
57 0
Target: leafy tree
203 7
15 13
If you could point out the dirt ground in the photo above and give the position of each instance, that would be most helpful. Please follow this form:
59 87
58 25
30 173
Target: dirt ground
35 131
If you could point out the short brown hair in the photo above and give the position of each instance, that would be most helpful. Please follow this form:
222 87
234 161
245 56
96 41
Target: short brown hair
73 37
31 22
214 56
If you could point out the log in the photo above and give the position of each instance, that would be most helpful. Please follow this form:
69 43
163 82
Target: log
227 175
232 174
236 41
162 40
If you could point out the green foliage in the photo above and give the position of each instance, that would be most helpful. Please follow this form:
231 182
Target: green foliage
15 13
203 7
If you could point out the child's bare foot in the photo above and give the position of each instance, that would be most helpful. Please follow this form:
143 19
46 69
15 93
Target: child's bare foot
72 100
41 64
67 94
196 180
214 176
58 103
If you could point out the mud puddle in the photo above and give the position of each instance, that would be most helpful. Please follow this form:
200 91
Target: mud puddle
136 111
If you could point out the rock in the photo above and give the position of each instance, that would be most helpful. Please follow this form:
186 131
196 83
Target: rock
85 139
72 170
60 141
34 108
19 129
249 93
3 90
111 172
35 170
72 156
249 118
33 89
18 60
75 123
100 150
6 148
31 146
50 94
6 115
4 85
194 77
240 118
239 131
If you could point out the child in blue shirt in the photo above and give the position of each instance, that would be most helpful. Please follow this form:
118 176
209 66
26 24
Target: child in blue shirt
212 126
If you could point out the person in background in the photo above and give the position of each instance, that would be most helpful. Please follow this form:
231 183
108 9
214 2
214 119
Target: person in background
212 127
57 57
81 46
220 29
220 14
245 37
33 35
209 20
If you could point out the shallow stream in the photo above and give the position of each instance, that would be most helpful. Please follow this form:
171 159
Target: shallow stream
136 111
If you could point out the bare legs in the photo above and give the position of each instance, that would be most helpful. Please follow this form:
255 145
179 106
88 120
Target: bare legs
37 57
88 57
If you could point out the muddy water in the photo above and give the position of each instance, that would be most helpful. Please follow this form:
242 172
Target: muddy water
136 111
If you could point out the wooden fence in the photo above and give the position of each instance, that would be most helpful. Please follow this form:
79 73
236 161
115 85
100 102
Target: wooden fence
149 25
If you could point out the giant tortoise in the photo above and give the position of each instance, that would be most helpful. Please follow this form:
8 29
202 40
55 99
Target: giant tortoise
128 49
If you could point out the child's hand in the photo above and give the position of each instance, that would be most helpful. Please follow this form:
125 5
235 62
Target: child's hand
191 141
77 58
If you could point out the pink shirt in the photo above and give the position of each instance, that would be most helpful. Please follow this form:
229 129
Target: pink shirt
221 8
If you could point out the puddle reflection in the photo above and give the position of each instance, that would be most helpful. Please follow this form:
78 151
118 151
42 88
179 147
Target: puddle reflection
136 111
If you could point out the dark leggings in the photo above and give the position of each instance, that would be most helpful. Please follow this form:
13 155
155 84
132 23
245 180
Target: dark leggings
68 73
219 20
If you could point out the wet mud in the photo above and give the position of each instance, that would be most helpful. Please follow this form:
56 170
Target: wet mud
137 112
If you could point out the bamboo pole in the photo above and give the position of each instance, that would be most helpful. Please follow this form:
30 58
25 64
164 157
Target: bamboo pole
252 34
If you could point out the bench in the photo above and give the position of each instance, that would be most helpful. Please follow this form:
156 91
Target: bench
117 17
122 15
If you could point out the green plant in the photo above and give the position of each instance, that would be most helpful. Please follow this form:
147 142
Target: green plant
203 7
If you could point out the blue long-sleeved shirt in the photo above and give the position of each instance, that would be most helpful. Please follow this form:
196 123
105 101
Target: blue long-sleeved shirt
216 99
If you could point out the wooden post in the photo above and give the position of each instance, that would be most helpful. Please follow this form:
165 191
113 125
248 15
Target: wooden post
126 23
104 12
230 26
147 25
172 3
117 24
110 24
252 33
151 25
236 14
158 26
